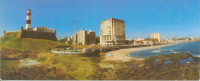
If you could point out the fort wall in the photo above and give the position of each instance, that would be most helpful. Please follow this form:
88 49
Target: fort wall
38 35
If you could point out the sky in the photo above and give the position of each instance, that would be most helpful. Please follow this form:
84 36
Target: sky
170 18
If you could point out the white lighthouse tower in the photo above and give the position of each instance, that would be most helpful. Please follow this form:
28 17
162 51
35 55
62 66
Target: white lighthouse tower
28 19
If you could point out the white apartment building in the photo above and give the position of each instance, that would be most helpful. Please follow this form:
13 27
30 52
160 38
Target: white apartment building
156 36
112 32
85 37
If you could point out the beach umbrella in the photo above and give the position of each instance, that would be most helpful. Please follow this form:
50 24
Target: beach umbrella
109 55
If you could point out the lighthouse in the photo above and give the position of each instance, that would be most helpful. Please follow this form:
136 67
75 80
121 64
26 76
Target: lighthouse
28 19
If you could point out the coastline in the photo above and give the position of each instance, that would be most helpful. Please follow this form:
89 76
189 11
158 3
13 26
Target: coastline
123 54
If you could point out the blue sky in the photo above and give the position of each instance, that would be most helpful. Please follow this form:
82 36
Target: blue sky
171 18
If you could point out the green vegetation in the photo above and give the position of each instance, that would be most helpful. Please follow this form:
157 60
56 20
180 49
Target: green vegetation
12 34
33 73
52 67
13 63
80 67
176 56
63 40
171 71
149 70
11 40
72 67
42 59
10 54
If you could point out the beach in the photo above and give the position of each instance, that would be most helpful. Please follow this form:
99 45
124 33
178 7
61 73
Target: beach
123 54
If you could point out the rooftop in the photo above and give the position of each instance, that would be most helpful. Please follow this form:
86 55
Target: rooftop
114 19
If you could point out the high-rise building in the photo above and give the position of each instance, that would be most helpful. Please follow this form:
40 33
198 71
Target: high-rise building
112 32
68 40
85 37
156 36
91 37
82 37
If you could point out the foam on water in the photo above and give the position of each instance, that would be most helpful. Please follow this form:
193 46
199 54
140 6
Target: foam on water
197 55
190 47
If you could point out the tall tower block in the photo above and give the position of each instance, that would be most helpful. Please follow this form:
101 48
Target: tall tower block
112 32
28 19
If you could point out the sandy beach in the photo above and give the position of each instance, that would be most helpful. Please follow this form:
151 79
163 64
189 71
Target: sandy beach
123 54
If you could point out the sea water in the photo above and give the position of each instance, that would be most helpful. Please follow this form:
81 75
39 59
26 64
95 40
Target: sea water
190 47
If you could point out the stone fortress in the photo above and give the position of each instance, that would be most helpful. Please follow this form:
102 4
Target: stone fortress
38 32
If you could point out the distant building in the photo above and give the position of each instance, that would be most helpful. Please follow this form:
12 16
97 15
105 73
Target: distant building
82 37
112 32
156 37
44 29
98 40
91 37
129 42
138 42
85 37
68 40
140 39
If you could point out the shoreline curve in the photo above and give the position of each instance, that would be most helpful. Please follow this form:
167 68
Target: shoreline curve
123 54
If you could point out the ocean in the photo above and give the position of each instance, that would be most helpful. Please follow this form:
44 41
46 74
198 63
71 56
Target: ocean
189 47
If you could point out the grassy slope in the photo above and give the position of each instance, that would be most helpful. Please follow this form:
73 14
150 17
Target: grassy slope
11 40
78 67
12 63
